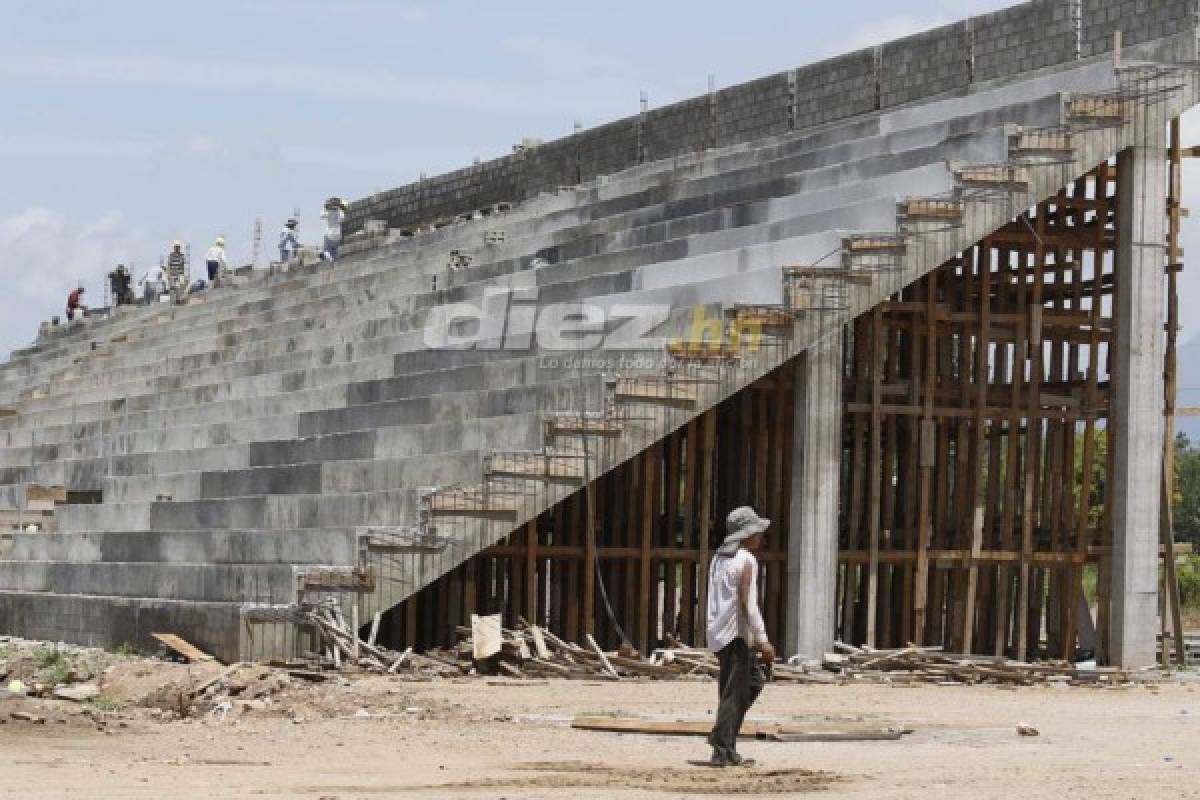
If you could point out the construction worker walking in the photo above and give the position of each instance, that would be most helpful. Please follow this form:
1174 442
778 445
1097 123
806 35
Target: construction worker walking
214 259
736 631
289 245
334 213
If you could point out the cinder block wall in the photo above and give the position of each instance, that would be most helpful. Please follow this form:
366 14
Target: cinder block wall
841 87
926 64
1138 20
1002 44
1025 38
754 110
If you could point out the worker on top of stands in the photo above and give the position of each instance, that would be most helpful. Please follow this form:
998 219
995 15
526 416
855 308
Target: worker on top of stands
289 245
75 307
736 633
176 266
153 284
119 281
333 214
215 260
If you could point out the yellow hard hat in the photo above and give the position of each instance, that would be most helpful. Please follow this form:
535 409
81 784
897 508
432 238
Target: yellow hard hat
221 241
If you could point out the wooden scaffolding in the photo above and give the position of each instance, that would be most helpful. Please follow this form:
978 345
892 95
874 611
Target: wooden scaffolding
975 472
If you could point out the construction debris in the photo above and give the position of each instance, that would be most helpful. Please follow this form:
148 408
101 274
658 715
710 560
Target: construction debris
932 665
534 652
769 731
183 647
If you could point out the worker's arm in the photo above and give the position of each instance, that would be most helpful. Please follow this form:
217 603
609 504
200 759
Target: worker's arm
758 631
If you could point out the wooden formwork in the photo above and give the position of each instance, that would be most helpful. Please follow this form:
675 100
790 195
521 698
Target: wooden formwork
974 485
657 519
975 401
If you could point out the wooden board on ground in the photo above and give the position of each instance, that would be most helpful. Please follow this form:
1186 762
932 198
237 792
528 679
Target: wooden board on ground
539 642
182 647
773 731
487 635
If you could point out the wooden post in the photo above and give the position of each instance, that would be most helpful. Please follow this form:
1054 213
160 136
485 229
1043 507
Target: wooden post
1166 534
689 588
649 488
589 559
926 459
1032 440
531 573
874 472
708 451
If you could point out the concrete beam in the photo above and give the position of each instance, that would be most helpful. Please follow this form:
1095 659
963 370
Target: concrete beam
1137 396
816 469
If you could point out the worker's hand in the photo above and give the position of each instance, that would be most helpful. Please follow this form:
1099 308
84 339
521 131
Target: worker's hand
766 652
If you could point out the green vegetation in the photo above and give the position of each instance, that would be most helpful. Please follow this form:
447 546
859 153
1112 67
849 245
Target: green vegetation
1186 502
53 665
105 703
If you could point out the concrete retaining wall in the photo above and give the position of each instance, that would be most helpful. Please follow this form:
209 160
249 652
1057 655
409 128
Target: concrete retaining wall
999 45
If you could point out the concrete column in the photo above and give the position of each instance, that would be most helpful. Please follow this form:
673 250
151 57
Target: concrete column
1137 397
816 468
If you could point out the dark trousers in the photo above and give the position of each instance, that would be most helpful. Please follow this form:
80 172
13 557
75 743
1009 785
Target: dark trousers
740 682
213 267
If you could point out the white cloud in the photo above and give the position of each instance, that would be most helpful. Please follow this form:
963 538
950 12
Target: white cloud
68 146
202 145
888 29
18 226
108 224
43 254
561 56
147 70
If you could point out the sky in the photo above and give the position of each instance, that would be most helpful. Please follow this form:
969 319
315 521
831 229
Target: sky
126 124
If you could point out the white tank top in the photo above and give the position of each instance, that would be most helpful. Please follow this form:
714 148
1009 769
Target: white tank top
726 620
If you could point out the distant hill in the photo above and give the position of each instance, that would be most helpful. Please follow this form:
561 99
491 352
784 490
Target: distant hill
1189 388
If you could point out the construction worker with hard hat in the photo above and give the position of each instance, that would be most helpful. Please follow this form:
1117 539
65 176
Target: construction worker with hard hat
289 244
333 214
215 260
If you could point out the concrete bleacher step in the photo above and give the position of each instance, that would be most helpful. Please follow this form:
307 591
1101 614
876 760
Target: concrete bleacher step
191 582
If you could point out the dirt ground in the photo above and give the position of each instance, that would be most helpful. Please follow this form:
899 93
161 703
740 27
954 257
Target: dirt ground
266 734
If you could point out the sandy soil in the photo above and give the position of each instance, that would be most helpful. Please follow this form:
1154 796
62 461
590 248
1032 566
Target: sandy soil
382 737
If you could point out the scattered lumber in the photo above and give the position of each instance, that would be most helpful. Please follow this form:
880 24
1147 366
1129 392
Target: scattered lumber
530 651
933 665
770 731
184 648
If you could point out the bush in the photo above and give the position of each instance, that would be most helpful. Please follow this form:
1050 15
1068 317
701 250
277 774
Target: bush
54 665
1189 582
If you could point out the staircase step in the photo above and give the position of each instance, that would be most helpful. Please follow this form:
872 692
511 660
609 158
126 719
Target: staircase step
1108 109
923 209
576 425
655 390
473 501
1004 177
539 466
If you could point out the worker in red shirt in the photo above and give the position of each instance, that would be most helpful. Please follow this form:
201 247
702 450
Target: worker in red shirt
75 307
